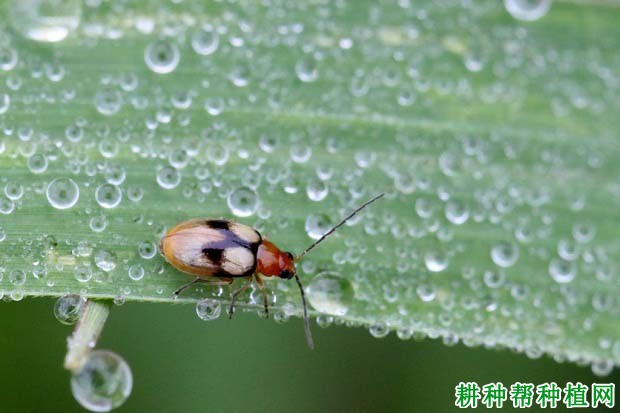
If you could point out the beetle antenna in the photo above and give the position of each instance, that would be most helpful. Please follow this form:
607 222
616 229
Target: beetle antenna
331 231
306 322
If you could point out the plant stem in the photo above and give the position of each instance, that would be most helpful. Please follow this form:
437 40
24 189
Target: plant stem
86 334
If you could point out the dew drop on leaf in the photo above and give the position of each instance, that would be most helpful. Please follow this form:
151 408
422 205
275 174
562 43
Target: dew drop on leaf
62 193
330 294
208 309
68 308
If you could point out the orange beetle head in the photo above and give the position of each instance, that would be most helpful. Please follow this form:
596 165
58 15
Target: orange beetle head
273 262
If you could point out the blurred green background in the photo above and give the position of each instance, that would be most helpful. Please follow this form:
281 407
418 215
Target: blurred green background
181 363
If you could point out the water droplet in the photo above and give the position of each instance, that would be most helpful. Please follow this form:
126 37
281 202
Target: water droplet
98 223
5 103
505 254
7 206
330 293
168 177
240 76
147 250
208 309
317 225
162 56
218 154
583 233
37 163
379 330
243 202
494 279
108 195
105 260
45 20
316 190
280 317
62 193
527 10
17 277
206 40
135 193
602 368
83 273
68 308
8 58
136 272
115 174
108 102
306 69
74 133
435 261
103 383
178 158
300 153
562 271
214 106
456 212
268 143
567 249
426 292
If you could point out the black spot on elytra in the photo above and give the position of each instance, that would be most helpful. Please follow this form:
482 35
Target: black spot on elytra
213 254
218 224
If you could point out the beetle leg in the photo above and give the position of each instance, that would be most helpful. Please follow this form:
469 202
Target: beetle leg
197 280
235 294
263 291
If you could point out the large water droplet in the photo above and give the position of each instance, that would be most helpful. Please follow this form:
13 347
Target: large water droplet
306 69
426 292
105 260
435 261
168 177
147 250
162 56
98 223
108 195
379 330
456 212
17 277
45 20
83 273
317 225
108 102
208 309
562 271
505 254
243 202
330 294
206 40
7 206
136 272
8 58
103 383
37 163
527 10
68 308
62 193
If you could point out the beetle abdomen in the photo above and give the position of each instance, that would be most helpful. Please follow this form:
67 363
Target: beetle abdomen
216 248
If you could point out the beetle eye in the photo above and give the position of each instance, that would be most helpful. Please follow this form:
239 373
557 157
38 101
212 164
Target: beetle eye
286 274
290 255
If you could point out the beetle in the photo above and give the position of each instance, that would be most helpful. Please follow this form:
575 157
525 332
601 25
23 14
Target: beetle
217 251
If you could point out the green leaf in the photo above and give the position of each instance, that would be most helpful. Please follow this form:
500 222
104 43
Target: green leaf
494 139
